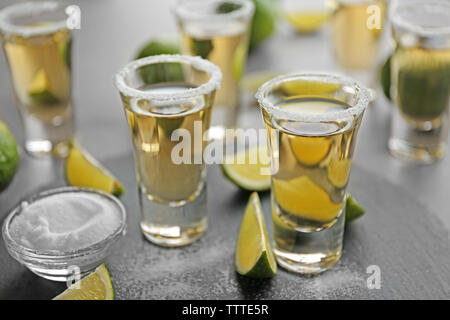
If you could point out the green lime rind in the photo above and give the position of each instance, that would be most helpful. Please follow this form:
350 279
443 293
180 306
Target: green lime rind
262 269
243 182
161 72
227 7
253 231
43 98
9 156
202 48
385 78
353 210
422 88
65 52
118 190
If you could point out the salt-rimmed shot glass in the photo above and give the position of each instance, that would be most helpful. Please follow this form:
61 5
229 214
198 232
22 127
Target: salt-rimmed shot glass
168 101
357 29
420 80
218 30
37 45
312 121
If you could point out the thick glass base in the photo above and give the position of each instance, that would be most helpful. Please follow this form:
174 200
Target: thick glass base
49 138
309 252
418 145
61 275
173 224
45 148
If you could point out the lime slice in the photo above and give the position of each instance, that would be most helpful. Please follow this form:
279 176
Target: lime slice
339 171
310 151
303 197
353 210
82 170
244 169
39 90
9 156
95 286
254 257
310 88
307 22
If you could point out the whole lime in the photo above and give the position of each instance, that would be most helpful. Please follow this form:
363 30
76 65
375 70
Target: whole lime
160 72
263 21
9 156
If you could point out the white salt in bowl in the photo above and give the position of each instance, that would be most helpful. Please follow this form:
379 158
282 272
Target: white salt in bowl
65 232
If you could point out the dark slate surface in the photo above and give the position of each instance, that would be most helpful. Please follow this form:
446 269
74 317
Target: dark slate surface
397 234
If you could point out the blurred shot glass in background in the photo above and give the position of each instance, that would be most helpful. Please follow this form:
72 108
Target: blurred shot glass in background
357 26
38 45
420 79
169 98
218 30
306 16
312 122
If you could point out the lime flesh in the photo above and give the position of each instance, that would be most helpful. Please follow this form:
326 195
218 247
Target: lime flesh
82 170
95 286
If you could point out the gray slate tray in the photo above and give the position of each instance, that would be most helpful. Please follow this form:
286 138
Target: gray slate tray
397 234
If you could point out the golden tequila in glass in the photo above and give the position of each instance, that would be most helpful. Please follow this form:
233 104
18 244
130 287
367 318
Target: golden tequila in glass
306 16
312 123
355 34
174 107
37 45
420 77
218 30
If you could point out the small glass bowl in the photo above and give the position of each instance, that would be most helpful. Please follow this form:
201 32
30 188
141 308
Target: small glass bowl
59 265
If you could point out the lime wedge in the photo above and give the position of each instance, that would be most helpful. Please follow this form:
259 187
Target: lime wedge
244 169
95 286
353 210
39 90
301 87
82 170
254 257
9 156
339 171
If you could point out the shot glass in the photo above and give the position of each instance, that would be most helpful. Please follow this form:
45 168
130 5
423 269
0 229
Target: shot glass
38 45
357 27
312 121
168 101
218 30
420 80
